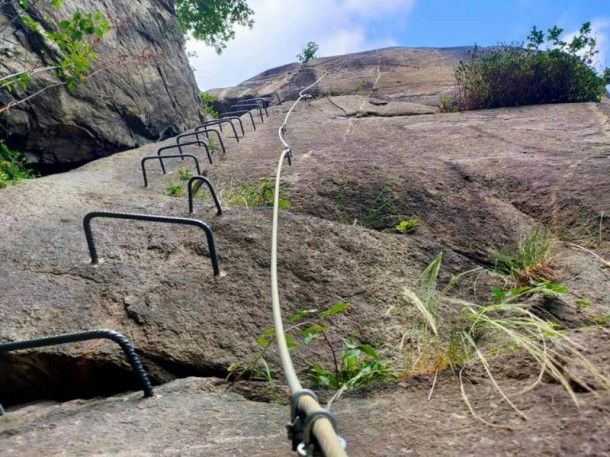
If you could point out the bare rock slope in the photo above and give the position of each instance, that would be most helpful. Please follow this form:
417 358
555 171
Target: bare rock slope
362 163
417 75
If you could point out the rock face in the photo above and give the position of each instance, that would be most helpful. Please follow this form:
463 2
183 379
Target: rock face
417 75
143 89
362 163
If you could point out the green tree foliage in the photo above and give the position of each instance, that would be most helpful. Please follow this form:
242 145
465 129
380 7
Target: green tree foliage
308 52
213 21
71 42
547 70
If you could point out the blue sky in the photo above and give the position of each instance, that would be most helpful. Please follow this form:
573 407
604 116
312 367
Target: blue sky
283 27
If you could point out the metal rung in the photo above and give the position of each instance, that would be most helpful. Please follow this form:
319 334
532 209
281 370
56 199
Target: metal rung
117 337
149 218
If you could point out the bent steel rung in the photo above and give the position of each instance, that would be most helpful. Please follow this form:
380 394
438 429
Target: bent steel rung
207 131
192 191
160 159
249 107
238 114
121 340
179 147
253 102
149 218
219 122
270 95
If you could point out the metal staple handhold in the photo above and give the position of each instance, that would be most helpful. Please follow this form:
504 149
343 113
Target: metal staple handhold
270 95
249 106
207 131
161 157
150 218
117 337
192 192
240 113
254 103
179 147
222 121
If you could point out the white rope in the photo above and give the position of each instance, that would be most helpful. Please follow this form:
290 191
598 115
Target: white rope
291 377
322 428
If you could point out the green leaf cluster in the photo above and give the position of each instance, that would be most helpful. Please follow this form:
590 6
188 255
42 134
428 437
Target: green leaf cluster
213 22
308 52
175 188
71 41
13 166
360 365
77 54
408 225
207 101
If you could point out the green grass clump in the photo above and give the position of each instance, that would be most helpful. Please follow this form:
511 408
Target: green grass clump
511 75
531 261
455 334
13 166
252 195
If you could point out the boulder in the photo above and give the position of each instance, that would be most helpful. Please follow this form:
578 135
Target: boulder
141 88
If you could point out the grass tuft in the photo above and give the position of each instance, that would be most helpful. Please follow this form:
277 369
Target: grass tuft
457 334
531 261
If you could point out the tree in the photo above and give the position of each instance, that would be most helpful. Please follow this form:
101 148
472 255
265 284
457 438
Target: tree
213 21
308 52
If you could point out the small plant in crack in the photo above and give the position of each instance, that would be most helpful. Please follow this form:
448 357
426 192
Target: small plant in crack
253 195
407 226
176 187
353 365
531 261
212 145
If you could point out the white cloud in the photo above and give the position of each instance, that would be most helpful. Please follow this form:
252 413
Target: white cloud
283 27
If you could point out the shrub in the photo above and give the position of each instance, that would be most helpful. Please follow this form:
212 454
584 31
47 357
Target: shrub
207 101
511 75
12 166
308 52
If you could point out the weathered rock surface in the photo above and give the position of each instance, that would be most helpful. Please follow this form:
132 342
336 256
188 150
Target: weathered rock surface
361 164
194 417
417 75
143 88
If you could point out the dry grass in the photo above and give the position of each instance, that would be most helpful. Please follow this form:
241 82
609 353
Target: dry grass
457 334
